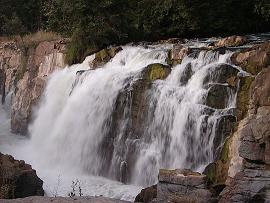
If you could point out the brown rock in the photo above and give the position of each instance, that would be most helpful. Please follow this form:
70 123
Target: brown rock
232 81
260 94
181 177
177 54
30 80
10 63
231 41
253 59
183 186
251 183
147 194
25 69
18 179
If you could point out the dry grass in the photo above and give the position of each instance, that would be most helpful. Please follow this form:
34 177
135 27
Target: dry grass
4 39
33 39
40 36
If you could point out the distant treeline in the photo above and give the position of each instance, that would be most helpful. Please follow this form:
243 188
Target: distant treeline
93 24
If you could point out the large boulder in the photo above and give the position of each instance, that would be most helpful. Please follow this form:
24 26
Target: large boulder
183 186
222 73
253 59
221 83
231 41
18 179
218 96
156 71
147 194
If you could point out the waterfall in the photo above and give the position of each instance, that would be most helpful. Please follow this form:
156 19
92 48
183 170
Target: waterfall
76 125
118 123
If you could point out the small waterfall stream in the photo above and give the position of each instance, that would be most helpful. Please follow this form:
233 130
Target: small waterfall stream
85 123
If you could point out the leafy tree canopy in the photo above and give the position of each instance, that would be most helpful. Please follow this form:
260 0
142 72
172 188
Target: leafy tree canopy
94 24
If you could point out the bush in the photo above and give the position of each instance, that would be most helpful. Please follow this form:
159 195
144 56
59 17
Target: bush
79 47
13 25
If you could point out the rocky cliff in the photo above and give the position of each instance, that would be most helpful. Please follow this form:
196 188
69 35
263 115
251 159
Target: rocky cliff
23 72
252 180
241 172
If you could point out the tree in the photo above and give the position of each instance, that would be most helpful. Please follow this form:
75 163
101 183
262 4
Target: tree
13 26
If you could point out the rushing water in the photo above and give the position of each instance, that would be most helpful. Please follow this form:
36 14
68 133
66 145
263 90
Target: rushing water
73 136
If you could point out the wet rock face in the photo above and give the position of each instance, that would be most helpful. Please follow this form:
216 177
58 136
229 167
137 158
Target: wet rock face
222 73
18 179
223 81
231 41
218 96
131 106
24 71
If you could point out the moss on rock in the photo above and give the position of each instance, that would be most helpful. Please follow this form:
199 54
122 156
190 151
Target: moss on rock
217 172
23 67
225 152
104 56
243 96
157 71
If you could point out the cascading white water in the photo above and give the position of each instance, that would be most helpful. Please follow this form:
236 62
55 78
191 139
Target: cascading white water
74 120
176 132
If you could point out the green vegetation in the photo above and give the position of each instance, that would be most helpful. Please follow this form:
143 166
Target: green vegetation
96 24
